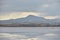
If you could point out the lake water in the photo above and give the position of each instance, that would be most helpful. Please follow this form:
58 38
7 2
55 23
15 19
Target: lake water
29 33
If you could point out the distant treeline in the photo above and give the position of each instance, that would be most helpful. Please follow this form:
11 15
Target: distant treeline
29 25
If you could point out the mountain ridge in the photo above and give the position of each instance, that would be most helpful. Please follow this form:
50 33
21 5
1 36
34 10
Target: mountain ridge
28 19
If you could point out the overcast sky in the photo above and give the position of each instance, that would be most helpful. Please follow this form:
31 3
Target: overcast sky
44 7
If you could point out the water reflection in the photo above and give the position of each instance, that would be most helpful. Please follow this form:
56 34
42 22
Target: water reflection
30 33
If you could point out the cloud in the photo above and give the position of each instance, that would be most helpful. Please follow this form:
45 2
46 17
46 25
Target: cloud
15 15
45 5
48 7
51 17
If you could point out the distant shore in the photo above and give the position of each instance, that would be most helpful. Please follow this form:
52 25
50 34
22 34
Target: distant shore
28 25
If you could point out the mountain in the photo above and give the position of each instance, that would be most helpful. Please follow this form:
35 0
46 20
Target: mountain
29 19
34 19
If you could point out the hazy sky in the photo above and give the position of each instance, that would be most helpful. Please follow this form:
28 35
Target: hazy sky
49 8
